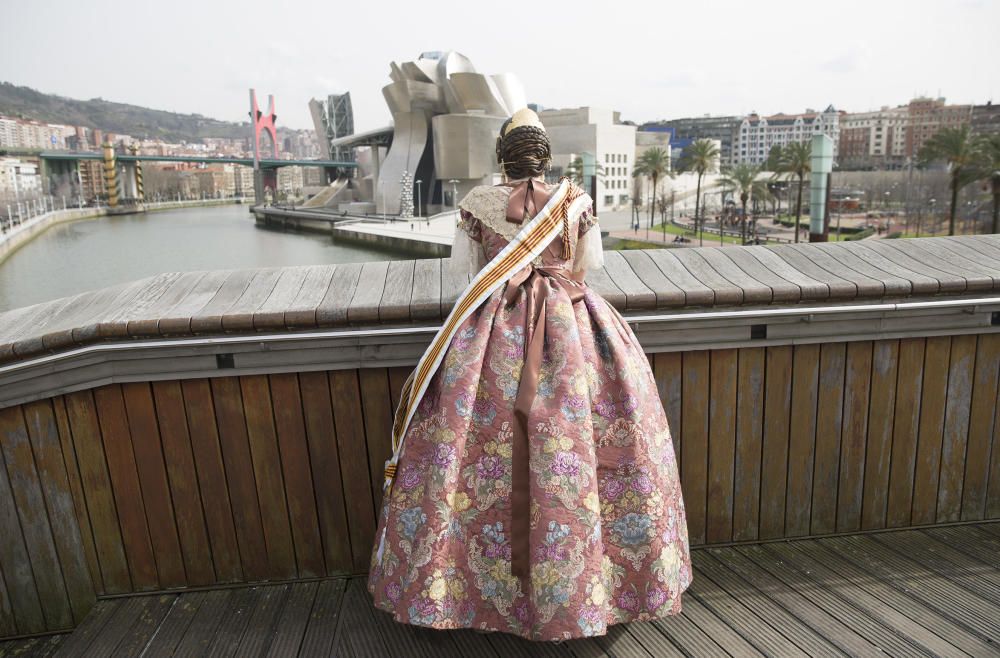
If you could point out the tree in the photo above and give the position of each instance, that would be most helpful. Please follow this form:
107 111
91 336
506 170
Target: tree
654 163
959 149
576 170
795 161
989 170
700 157
742 181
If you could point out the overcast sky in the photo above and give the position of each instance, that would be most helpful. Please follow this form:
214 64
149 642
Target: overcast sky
650 60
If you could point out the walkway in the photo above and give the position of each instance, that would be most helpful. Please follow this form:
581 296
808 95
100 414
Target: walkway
933 591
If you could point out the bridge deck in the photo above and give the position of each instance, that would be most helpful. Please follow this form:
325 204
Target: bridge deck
933 591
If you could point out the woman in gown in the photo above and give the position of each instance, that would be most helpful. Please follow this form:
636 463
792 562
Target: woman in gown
533 487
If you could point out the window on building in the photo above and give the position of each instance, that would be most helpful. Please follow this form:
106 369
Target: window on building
609 199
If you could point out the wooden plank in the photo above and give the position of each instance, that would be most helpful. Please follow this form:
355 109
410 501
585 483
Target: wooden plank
980 243
233 439
691 281
270 315
600 281
235 621
866 281
81 638
102 510
208 319
775 260
637 294
977 277
364 306
667 293
36 529
859 595
931 430
8 624
749 437
301 313
857 391
855 580
920 283
211 480
797 602
174 626
782 290
905 427
966 256
982 416
146 625
182 480
918 582
878 451
125 484
297 474
721 445
829 419
146 323
295 616
993 485
44 436
774 441
425 297
353 455
736 614
205 624
754 292
838 282
263 623
802 438
452 285
152 471
667 369
947 280
731 642
686 636
980 541
240 315
75 482
954 442
395 302
178 319
22 337
114 631
694 442
770 612
266 460
378 417
26 602
326 471
81 325
332 309
113 323
325 623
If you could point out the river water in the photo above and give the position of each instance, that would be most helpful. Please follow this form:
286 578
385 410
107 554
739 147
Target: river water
93 253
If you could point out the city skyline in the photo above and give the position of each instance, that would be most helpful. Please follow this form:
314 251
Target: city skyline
679 64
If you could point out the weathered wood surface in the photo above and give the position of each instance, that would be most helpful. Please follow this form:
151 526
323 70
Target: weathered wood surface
376 293
902 593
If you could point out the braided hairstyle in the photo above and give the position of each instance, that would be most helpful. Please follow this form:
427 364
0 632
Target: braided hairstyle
523 152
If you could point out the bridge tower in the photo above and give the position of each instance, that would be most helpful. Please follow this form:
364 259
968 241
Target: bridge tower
263 123
110 173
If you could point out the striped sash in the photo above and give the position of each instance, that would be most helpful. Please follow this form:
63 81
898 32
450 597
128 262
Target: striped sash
529 242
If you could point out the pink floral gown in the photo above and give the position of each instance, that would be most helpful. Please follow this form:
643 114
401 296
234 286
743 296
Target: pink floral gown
608 534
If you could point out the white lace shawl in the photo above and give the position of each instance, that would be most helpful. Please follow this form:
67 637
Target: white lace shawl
489 205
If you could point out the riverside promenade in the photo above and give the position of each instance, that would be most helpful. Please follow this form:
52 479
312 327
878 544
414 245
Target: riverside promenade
192 461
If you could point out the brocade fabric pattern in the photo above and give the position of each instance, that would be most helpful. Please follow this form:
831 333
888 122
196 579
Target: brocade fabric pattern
608 532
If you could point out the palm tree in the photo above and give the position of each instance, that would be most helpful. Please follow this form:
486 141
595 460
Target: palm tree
654 163
795 161
576 170
700 157
989 151
958 148
742 180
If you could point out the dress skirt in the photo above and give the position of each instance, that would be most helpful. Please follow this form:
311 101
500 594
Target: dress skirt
552 529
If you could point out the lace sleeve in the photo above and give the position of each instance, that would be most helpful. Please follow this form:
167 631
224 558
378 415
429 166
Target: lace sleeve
467 254
589 250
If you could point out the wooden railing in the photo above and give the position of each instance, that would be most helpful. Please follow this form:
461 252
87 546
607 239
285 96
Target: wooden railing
192 429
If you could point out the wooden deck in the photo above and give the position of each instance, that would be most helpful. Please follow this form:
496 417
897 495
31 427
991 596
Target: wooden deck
931 591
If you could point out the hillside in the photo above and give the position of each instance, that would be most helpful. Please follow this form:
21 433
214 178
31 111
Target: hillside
114 117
